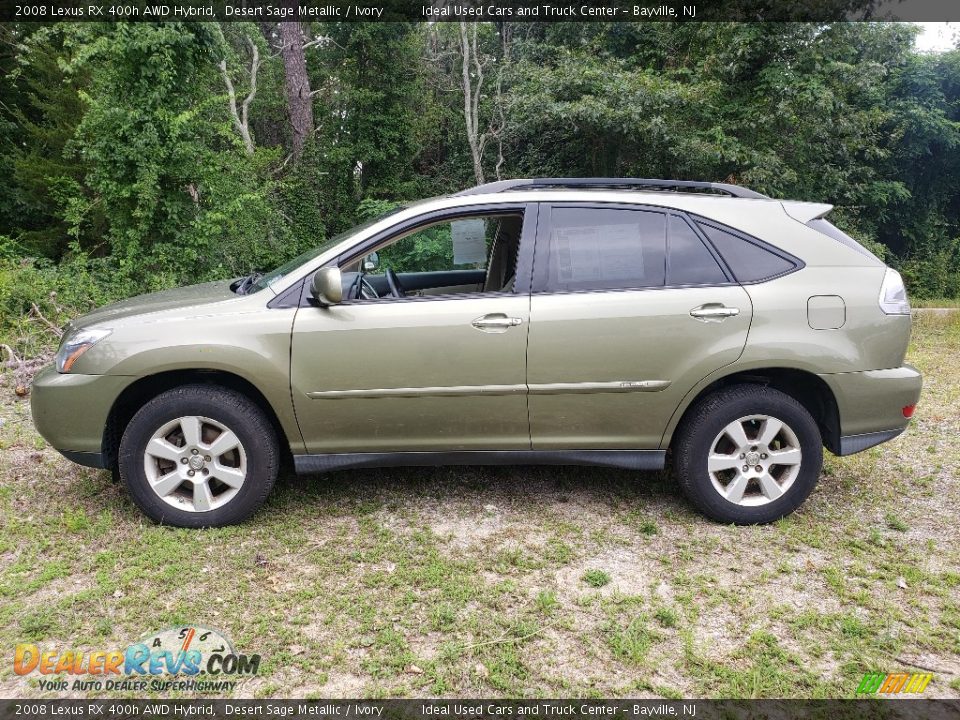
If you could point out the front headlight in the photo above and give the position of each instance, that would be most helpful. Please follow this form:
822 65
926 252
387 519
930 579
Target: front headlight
76 344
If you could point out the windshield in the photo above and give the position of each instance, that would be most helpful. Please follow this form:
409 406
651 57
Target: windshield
273 276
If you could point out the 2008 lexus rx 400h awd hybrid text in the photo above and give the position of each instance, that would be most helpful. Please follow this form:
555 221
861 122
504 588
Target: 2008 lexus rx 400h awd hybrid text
558 321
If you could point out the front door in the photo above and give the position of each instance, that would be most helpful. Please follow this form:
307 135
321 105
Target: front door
436 365
630 310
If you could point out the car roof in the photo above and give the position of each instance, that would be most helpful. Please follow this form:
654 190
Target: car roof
610 183
687 195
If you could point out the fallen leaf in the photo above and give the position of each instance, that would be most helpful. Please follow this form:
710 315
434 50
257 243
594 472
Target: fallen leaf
414 670
481 670
902 583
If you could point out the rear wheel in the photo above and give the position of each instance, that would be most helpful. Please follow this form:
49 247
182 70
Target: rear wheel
748 454
199 456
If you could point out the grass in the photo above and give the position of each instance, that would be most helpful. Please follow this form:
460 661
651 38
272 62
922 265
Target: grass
936 303
512 582
596 578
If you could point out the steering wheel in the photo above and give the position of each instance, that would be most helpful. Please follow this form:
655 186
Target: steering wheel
396 289
366 291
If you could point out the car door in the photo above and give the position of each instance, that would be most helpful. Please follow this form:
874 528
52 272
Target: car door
630 308
425 372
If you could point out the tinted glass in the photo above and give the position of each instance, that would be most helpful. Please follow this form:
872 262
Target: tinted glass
597 249
749 262
689 262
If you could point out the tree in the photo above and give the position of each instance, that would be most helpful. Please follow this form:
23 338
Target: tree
473 62
241 118
297 84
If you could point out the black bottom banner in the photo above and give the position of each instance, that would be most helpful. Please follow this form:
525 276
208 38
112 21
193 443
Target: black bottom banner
468 709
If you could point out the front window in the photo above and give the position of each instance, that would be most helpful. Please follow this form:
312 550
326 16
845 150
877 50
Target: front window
277 274
472 254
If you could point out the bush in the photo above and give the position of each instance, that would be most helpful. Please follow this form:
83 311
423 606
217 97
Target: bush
34 292
933 274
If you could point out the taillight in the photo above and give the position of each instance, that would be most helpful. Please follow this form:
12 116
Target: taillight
908 410
893 294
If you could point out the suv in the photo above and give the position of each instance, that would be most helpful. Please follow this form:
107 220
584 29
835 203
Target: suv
607 322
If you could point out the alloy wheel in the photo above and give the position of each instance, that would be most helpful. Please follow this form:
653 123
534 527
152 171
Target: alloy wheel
754 460
195 463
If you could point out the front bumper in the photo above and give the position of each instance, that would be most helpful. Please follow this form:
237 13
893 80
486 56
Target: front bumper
871 404
70 411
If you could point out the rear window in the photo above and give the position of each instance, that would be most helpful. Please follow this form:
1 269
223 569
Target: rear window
831 230
747 260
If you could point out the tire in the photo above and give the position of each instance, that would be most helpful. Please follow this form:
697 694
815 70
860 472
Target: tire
720 488
223 482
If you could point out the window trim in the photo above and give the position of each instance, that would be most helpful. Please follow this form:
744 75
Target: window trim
698 220
521 286
717 258
542 249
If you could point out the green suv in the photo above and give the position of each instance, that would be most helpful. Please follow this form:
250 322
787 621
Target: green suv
611 322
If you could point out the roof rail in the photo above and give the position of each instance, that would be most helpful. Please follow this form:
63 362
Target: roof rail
613 183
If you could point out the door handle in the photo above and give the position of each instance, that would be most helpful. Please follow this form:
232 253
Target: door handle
495 322
714 312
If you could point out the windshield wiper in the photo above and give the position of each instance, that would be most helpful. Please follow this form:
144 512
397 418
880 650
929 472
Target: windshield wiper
244 285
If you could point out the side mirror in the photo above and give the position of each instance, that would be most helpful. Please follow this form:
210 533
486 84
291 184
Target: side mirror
371 262
327 286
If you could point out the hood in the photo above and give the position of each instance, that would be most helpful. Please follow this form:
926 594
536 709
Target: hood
179 298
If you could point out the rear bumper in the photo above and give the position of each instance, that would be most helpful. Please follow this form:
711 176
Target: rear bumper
87 459
70 411
850 444
871 404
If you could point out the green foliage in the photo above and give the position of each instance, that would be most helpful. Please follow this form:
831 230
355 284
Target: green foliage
122 157
35 289
596 578
843 113
425 251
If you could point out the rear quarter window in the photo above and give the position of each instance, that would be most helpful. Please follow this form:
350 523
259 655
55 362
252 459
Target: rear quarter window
748 260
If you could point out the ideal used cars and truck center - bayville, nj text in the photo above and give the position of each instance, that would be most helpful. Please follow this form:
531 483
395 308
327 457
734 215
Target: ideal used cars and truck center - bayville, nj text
280 13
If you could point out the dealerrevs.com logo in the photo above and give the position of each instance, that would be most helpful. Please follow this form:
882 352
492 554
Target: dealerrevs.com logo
185 658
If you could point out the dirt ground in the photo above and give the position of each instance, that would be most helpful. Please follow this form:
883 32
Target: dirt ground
511 582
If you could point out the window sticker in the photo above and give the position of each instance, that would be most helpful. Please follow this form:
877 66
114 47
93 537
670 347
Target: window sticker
586 254
469 241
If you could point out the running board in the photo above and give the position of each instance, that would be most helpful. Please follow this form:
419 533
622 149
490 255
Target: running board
627 459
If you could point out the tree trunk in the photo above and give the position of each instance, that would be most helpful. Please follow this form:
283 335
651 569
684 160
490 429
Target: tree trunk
297 84
471 97
241 118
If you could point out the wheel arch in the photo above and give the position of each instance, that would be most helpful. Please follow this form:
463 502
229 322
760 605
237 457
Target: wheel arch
802 385
135 395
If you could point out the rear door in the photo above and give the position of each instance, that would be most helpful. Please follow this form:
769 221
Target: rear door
629 310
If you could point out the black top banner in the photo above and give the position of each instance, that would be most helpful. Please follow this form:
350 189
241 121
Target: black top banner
477 10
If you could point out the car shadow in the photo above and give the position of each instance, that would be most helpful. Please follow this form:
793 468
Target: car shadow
514 484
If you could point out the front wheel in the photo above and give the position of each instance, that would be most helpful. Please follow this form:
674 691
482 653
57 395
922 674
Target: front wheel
199 456
748 454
